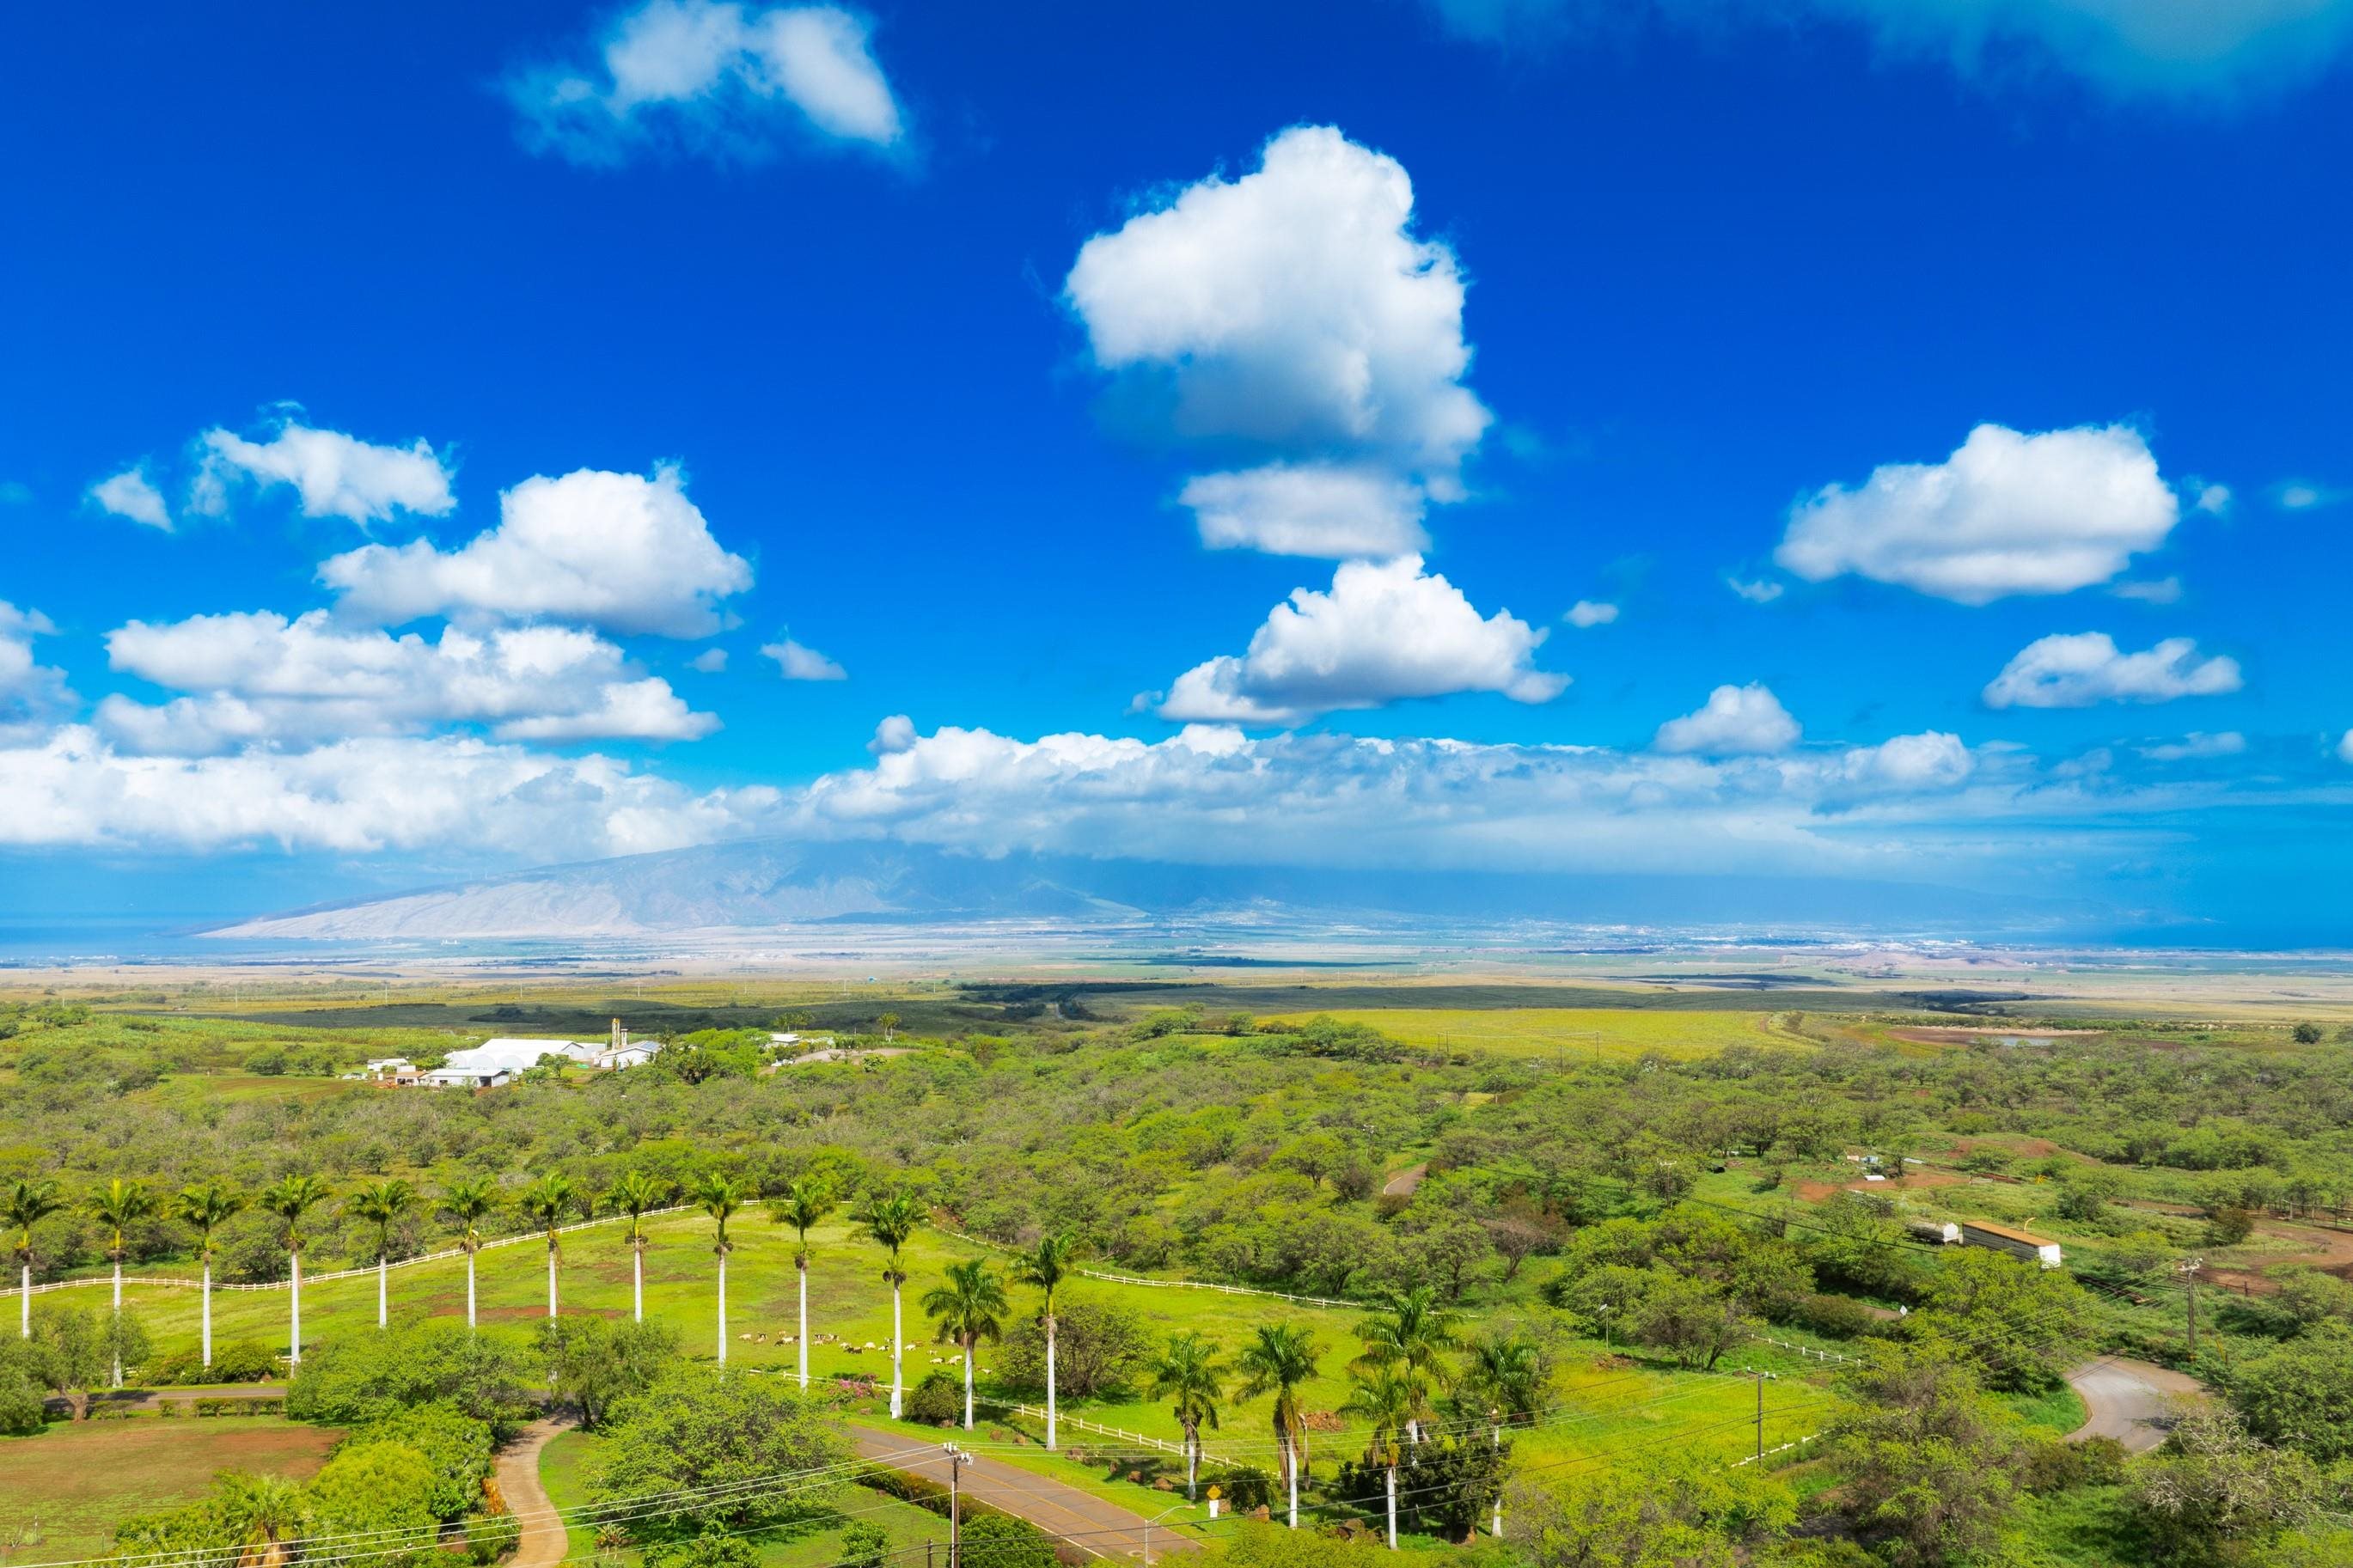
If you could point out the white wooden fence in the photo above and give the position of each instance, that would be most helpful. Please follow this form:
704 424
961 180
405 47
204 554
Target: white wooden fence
1160 1444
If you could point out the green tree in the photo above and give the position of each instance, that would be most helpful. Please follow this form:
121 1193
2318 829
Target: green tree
545 1202
1001 1540
1047 1265
355 1379
891 1221
1412 1333
467 1202
1279 1359
2300 1395
1929 1459
1660 1507
1189 1374
2214 1493
720 1197
595 1362
864 1545
289 1197
804 1207
1689 1317
969 1308
636 1194
456 1448
710 1445
383 1204
1980 1299
119 1205
24 1204
1386 1394
383 1491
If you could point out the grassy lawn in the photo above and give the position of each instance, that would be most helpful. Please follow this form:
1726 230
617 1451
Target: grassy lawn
63 1490
1626 1033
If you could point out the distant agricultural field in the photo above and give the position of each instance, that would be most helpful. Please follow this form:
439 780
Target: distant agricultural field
1624 1033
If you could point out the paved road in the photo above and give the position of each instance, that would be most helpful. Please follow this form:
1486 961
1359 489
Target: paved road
2131 1401
1101 1528
545 1541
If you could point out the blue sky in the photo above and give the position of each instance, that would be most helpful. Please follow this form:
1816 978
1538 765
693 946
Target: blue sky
1009 367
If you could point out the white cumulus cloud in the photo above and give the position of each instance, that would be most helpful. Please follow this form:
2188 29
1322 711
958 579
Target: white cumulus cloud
1762 591
2007 513
1588 613
718 79
798 662
1294 313
2195 746
132 494
710 661
256 677
1736 721
1385 631
623 551
335 475
30 691
2082 669
1325 509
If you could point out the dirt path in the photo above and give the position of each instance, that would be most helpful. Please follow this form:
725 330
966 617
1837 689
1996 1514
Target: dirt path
1097 1528
545 1541
1404 1183
2131 1401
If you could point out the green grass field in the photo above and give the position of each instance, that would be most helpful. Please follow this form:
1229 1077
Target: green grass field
1544 1032
847 1299
63 1490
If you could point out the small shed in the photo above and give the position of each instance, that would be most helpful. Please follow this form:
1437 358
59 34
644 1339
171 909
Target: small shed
2006 1239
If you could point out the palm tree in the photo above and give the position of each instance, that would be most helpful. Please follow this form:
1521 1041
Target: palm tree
26 1204
204 1208
1190 1373
287 1198
119 1205
633 1195
545 1201
1414 1332
720 1198
804 1207
270 1511
1046 1267
382 1204
1507 1374
467 1201
969 1308
893 1220
1278 1360
1387 1394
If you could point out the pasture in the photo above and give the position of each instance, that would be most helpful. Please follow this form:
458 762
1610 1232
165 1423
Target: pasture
63 1490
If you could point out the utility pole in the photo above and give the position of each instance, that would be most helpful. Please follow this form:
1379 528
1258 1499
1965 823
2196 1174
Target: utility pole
957 1460
2188 1268
1761 1376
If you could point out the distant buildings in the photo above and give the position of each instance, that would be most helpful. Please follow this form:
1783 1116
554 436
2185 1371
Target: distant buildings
503 1060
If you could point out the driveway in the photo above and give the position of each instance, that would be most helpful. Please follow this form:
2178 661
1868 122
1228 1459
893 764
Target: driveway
545 1539
1097 1528
2131 1401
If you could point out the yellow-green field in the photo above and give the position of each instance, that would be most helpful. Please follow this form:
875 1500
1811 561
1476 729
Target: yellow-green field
1624 1033
63 1490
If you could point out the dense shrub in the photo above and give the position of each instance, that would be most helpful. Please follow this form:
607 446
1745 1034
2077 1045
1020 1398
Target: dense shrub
937 1400
370 1377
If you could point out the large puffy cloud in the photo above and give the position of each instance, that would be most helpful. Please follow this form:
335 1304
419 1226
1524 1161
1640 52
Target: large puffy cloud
259 677
2082 669
334 475
719 80
30 691
1735 720
2129 49
1385 631
1292 313
623 551
360 796
2007 513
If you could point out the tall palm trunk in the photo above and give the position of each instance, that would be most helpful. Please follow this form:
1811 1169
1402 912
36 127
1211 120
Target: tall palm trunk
1291 1465
722 1309
1050 1444
1392 1473
803 1340
469 1290
1192 1458
118 1313
969 1342
637 1279
1496 1528
551 1277
294 1349
383 1273
25 1302
209 1309
896 1335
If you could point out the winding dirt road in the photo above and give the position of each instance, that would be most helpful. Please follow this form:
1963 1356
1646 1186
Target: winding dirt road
545 1541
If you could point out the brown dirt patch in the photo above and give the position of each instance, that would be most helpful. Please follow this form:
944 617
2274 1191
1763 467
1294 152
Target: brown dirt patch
73 1484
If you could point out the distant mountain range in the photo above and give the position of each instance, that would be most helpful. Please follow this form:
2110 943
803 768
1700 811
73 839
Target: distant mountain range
770 884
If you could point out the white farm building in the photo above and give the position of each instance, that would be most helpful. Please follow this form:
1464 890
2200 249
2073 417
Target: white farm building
494 1062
